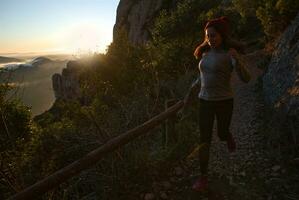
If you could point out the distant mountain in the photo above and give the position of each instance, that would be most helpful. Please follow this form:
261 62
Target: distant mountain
40 61
36 62
9 60
33 81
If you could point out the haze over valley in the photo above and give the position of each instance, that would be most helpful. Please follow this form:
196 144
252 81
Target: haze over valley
31 79
38 38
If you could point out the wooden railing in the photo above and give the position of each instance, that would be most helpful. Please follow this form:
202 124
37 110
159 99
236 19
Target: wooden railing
94 156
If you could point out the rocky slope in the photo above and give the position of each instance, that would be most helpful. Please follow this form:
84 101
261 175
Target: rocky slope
137 16
281 80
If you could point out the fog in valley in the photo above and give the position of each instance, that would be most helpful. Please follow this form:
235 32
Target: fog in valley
32 80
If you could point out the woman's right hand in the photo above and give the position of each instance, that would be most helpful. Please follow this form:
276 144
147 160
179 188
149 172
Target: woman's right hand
233 53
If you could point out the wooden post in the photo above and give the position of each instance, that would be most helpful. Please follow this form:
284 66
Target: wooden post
170 135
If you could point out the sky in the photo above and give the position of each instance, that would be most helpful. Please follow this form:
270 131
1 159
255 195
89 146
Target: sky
56 26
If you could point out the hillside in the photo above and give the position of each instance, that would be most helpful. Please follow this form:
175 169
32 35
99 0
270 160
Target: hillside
32 82
8 59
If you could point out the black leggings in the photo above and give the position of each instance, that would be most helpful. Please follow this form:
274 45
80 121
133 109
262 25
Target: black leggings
223 110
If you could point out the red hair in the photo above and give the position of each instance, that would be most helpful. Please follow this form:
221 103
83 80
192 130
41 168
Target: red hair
221 25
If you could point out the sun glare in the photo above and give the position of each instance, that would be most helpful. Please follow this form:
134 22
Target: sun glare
79 38
50 28
86 37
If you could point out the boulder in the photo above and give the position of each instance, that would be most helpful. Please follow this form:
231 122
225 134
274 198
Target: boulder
135 16
281 79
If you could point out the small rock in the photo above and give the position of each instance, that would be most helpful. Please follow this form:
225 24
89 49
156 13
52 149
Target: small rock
166 185
270 198
276 168
243 173
230 178
295 161
163 195
274 174
149 196
155 186
173 179
178 171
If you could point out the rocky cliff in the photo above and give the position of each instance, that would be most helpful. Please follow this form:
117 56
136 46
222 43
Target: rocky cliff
281 80
66 85
136 16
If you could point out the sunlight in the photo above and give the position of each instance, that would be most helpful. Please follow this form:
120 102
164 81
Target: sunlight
77 38
85 38
56 26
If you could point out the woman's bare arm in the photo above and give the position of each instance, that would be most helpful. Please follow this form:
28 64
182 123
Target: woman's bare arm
240 66
242 71
193 91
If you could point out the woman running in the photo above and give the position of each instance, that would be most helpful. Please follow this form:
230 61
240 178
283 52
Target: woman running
219 57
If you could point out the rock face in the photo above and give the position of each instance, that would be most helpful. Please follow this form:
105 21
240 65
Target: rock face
66 85
135 16
281 80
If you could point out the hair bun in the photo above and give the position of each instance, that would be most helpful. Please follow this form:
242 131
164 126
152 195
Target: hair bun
222 23
224 18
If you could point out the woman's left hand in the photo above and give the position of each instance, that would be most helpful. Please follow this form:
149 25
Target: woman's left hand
233 52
